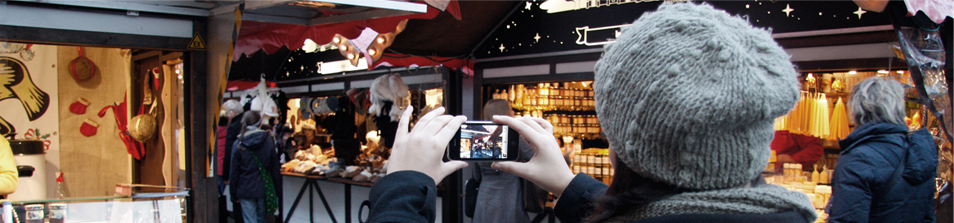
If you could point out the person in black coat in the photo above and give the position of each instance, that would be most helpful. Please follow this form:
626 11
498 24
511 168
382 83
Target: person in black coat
687 97
253 152
884 173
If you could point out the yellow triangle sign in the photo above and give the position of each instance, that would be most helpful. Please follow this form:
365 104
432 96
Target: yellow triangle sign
196 43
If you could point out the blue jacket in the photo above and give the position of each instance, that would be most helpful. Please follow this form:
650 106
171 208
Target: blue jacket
870 156
246 180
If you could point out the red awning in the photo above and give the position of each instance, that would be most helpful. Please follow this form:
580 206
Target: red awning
270 37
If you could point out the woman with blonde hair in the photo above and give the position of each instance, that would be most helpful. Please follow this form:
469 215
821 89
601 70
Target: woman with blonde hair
500 198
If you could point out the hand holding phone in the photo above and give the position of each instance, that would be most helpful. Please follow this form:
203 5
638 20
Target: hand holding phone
484 141
547 167
422 148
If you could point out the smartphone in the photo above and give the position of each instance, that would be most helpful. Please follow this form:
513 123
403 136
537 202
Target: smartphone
484 141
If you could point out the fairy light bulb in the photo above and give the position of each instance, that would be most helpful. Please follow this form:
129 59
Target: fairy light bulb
336 40
372 52
350 56
380 40
343 47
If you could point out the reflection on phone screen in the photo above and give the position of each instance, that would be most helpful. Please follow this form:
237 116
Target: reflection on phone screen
483 141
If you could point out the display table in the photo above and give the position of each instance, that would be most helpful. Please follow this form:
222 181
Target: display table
311 183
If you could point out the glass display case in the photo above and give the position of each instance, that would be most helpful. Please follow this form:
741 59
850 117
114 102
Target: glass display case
165 206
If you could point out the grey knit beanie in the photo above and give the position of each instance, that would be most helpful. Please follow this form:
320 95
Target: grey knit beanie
688 94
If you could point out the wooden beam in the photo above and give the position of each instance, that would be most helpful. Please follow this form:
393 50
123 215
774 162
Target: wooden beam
85 38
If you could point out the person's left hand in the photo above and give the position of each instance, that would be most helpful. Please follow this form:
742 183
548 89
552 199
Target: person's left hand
422 149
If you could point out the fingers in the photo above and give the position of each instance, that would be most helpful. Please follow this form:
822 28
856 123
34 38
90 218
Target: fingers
451 128
405 120
511 167
534 124
521 127
547 127
427 119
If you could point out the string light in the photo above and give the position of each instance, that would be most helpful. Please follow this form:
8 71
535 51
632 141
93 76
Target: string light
350 56
381 40
852 72
336 40
372 52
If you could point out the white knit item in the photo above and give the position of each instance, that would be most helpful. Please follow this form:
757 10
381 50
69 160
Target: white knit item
688 95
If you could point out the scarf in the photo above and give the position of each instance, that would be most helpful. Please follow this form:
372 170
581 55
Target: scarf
757 199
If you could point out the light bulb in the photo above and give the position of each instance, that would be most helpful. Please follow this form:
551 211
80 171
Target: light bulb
372 52
852 72
350 56
343 47
336 40
381 40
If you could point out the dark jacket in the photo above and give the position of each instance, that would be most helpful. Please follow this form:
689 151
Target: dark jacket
403 196
246 180
871 154
409 196
576 204
231 134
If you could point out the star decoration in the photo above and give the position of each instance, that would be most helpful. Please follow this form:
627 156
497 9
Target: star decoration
528 5
536 38
788 9
859 12
502 48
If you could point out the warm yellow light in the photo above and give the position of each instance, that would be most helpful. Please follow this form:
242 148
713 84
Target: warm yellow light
372 52
350 56
852 72
343 47
882 71
336 40
381 40
900 71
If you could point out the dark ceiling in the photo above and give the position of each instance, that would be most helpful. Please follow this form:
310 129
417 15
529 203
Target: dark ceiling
443 36
446 36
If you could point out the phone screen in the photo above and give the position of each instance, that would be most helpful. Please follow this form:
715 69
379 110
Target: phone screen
484 141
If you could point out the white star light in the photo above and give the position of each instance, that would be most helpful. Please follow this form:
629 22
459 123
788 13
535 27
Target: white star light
502 48
536 38
859 12
528 5
787 10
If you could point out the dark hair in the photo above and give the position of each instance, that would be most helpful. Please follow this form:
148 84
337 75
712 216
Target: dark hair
629 190
249 118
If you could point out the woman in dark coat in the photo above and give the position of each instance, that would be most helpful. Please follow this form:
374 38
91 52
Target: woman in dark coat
687 97
884 173
254 147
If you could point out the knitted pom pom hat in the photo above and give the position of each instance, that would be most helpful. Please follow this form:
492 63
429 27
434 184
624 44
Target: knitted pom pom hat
694 93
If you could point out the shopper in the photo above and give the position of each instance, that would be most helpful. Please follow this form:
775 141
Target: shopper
255 169
235 109
687 97
884 173
9 177
500 196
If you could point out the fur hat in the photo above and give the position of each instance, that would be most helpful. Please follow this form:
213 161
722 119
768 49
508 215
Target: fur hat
694 92
388 87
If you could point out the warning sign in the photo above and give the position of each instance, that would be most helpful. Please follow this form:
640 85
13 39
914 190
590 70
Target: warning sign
196 43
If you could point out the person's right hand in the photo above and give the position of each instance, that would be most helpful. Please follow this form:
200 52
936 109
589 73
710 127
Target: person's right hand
547 168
